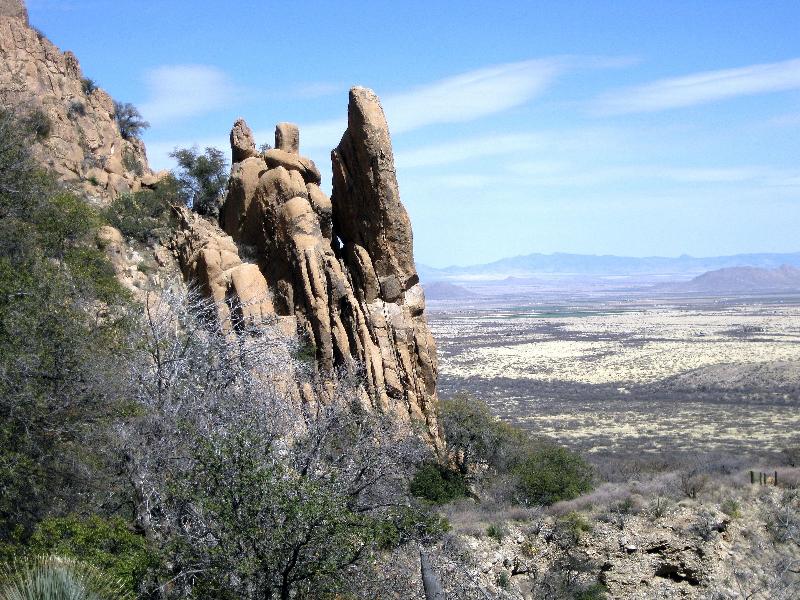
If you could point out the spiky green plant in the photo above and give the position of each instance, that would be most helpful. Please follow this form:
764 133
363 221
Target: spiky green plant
58 578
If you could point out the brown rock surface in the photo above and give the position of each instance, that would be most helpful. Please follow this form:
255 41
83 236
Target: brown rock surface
14 8
359 304
84 138
287 138
242 143
211 259
293 162
366 199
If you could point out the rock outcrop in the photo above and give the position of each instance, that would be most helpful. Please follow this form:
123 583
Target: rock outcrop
83 145
341 268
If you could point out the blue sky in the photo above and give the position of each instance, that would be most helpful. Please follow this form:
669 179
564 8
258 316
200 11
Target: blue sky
634 128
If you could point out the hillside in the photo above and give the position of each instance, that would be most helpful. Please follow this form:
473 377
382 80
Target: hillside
442 290
745 279
222 383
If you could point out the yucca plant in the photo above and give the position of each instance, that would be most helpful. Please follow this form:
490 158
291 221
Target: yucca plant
58 578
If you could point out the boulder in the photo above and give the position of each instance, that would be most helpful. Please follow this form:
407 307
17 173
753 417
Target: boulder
243 144
35 74
341 269
287 138
293 162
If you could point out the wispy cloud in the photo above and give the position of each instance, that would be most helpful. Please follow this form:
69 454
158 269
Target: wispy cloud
513 145
466 149
567 174
471 95
701 88
179 91
465 97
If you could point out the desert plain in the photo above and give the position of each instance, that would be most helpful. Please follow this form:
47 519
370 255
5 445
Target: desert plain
630 372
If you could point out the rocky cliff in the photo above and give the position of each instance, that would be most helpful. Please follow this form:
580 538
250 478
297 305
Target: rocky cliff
80 140
339 271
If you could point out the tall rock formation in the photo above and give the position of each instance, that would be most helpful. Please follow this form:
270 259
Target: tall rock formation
83 146
340 270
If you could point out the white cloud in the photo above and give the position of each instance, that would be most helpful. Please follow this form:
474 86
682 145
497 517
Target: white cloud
180 91
566 174
515 145
464 97
471 95
701 88
466 149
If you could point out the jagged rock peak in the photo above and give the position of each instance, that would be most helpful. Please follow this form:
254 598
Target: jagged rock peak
14 8
366 199
341 269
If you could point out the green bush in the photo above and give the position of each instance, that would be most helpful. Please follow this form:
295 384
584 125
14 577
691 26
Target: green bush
477 438
573 524
57 578
131 162
496 531
732 508
503 579
595 591
107 544
437 484
39 123
129 119
62 222
550 473
139 215
88 85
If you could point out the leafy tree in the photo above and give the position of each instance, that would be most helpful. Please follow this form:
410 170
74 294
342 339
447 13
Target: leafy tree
129 120
438 484
550 473
202 178
55 352
475 437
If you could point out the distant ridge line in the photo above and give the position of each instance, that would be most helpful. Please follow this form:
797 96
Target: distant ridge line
600 265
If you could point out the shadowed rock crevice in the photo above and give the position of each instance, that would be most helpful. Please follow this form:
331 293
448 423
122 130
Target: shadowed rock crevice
341 268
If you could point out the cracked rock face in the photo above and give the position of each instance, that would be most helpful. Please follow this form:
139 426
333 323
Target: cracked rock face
84 147
342 268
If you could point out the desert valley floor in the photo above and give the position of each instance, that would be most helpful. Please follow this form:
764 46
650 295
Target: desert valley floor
628 373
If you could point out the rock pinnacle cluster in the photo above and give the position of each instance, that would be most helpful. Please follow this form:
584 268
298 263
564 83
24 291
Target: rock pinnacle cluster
339 271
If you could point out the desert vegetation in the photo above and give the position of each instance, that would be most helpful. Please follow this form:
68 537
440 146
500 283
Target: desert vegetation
139 445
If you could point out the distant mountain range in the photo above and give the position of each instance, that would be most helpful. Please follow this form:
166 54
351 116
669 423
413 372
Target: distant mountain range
533 265
743 279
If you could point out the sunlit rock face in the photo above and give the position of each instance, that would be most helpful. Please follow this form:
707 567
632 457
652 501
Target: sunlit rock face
341 268
82 144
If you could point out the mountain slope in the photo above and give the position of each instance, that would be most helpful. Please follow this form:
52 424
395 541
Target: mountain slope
745 279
